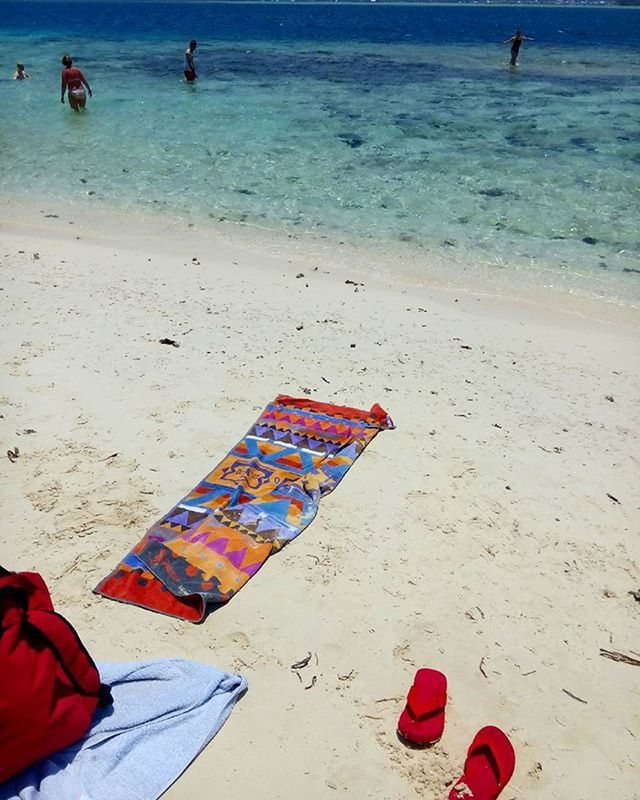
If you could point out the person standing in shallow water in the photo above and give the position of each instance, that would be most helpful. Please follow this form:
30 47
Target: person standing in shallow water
20 74
515 41
73 82
189 64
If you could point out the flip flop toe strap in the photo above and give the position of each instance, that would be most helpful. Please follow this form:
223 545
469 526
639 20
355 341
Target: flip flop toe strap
422 704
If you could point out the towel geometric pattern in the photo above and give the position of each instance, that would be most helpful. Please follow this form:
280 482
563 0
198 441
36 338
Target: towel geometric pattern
262 495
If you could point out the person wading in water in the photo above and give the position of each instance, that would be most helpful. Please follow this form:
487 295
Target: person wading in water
189 68
74 82
515 41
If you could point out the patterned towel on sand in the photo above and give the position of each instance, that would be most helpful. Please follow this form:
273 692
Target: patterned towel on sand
261 496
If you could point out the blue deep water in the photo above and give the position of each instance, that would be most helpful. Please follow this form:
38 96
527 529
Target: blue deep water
377 123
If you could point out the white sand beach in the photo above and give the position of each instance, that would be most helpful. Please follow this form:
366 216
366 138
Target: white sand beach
493 535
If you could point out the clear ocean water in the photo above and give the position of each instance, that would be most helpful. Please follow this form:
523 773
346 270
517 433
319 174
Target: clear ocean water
377 123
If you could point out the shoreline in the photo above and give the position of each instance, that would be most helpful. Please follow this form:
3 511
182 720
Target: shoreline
390 266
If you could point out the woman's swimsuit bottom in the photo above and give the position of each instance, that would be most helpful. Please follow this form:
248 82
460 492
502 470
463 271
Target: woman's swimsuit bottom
78 93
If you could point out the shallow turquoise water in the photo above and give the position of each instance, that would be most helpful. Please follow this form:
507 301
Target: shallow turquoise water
436 145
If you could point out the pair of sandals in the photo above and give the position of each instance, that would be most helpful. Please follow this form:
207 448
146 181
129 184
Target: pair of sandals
490 759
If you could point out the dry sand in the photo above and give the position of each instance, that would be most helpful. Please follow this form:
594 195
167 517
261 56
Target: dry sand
481 537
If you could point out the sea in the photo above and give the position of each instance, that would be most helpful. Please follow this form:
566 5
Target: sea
387 125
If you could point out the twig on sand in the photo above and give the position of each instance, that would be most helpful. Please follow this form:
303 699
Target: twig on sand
481 667
575 696
615 499
302 663
388 699
624 659
312 684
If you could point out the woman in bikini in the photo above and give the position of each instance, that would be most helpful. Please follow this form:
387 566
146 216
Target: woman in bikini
73 81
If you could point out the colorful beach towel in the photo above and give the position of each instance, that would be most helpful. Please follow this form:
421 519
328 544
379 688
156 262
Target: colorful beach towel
164 713
261 496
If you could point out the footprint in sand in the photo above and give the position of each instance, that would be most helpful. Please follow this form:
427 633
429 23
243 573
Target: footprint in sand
238 639
45 497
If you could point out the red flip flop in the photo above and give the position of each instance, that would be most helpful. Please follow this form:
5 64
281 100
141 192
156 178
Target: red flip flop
422 720
488 768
